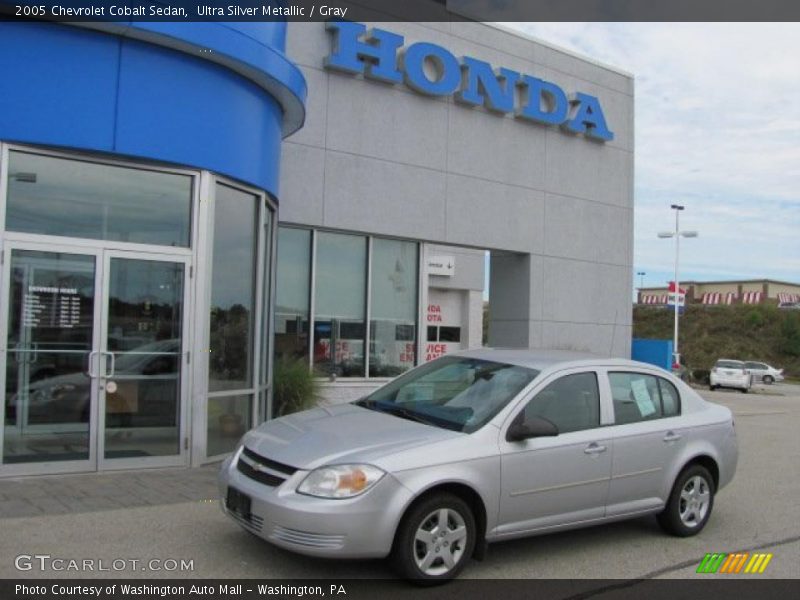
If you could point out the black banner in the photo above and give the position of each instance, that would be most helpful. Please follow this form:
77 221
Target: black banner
709 588
401 10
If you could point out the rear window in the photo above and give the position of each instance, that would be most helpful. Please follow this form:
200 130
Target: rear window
729 364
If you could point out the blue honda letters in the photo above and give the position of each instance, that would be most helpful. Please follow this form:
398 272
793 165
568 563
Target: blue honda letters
431 69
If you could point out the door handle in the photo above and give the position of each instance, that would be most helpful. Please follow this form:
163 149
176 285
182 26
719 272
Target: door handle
594 448
89 371
671 436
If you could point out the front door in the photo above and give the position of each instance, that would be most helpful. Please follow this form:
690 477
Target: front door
94 348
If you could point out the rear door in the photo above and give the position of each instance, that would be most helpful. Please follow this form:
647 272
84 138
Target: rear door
648 438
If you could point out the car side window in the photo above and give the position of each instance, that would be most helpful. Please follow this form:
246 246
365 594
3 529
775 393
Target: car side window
640 397
670 399
752 365
571 402
636 397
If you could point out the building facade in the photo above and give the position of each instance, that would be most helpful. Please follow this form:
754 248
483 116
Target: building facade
456 169
184 205
748 291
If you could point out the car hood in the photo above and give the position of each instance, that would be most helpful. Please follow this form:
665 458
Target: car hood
339 434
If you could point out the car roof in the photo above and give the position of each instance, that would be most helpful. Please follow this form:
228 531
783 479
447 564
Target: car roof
541 359
734 360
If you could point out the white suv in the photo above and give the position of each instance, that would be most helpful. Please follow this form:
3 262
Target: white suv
763 372
732 374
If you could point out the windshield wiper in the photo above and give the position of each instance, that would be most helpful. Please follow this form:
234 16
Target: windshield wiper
403 413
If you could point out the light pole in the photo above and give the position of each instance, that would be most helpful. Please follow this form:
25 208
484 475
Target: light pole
641 275
677 234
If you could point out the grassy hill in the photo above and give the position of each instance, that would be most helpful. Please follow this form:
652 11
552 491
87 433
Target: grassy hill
740 332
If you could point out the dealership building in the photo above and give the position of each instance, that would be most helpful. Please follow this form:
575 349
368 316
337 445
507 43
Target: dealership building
183 207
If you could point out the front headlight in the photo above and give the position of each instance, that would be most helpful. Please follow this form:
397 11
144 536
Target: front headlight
340 481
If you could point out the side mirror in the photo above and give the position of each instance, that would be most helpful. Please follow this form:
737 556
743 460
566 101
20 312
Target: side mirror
521 429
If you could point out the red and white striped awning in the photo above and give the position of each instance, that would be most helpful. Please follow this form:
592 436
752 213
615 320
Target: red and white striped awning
752 297
719 298
784 297
654 299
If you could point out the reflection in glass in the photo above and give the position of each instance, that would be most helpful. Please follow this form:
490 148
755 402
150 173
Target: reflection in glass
228 418
57 196
145 309
266 323
233 280
340 299
48 394
393 334
292 293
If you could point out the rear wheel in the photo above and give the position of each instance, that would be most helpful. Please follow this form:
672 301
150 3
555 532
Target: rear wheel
768 379
435 539
690 503
745 390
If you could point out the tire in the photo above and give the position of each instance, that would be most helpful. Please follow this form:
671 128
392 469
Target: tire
713 387
768 380
426 554
745 390
680 517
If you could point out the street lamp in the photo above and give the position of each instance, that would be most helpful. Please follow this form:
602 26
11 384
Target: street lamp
677 234
641 275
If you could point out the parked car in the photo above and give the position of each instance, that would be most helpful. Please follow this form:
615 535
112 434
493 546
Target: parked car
789 305
477 447
731 374
763 372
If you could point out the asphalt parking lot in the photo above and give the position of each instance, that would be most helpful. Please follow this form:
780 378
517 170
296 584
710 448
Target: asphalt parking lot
758 511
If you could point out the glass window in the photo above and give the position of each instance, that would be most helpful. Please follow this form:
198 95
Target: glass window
571 403
266 317
340 295
636 397
230 363
57 196
453 392
228 419
670 400
433 333
394 307
449 334
292 292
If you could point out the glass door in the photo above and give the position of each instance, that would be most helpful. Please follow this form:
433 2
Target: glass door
51 343
95 359
141 371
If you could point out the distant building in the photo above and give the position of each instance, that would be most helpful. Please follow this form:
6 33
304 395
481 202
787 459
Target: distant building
747 291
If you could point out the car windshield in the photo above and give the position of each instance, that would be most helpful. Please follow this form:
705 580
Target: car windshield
729 364
453 392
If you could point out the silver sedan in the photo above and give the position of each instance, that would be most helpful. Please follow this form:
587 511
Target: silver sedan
480 447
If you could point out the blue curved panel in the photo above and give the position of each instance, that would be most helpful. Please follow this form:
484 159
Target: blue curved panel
144 93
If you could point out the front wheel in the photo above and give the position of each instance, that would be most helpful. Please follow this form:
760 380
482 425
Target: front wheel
690 503
435 539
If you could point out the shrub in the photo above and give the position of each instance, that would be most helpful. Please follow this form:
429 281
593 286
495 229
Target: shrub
295 388
701 375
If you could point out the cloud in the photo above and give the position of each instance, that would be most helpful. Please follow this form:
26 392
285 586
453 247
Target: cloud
718 130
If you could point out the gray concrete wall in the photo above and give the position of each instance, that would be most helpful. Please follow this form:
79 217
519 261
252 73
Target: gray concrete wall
383 159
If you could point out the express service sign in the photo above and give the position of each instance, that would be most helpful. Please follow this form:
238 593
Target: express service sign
433 70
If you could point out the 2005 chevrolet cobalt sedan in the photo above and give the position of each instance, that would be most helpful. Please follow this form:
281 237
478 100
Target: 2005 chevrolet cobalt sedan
482 446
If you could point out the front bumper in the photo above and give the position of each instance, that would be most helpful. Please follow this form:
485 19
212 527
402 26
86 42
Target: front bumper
360 527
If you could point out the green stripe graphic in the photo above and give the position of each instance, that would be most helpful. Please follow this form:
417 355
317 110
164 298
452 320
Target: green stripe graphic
711 562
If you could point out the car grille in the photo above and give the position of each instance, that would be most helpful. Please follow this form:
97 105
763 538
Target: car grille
309 540
262 469
252 521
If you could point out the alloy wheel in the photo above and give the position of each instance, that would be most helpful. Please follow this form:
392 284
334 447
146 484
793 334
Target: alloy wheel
440 542
694 502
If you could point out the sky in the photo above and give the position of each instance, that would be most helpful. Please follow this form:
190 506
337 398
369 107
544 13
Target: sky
717 112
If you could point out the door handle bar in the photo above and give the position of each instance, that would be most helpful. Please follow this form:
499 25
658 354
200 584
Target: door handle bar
113 364
671 436
89 371
594 449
